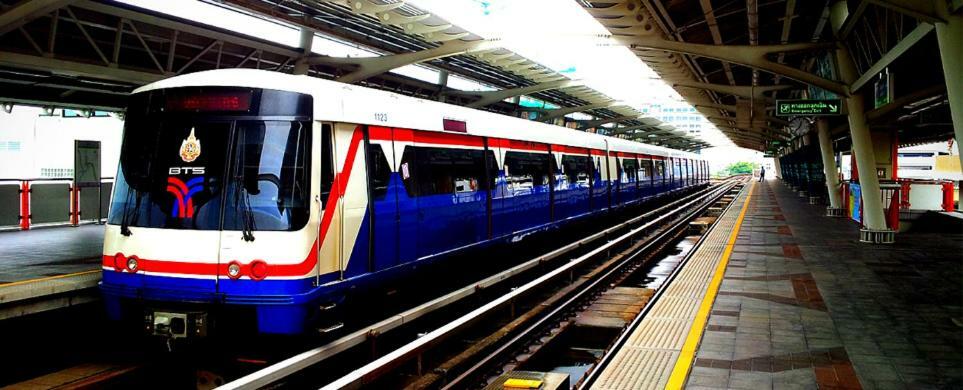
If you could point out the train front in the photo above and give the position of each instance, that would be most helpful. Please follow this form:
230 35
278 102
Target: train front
212 218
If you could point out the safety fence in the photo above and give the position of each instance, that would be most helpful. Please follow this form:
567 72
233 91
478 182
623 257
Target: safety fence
26 203
901 196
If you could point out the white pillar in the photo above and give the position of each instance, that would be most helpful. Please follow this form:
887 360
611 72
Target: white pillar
829 164
873 217
950 38
778 166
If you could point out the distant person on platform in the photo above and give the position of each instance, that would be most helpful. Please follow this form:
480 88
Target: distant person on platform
762 173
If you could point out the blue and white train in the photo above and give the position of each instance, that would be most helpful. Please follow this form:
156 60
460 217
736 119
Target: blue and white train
269 195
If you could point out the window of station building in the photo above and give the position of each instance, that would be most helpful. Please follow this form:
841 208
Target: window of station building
433 171
578 170
525 172
630 170
379 172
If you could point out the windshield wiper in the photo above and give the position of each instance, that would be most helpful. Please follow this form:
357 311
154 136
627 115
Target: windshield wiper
125 215
242 200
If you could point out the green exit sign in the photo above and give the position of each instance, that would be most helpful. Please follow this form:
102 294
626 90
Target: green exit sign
808 107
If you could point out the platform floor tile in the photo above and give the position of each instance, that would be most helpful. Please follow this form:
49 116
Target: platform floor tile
804 305
646 359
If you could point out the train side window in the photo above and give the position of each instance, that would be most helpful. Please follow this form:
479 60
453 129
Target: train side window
630 167
524 172
660 168
379 172
577 170
327 164
645 171
432 171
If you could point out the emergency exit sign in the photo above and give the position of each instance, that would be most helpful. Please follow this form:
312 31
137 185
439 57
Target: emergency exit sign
808 107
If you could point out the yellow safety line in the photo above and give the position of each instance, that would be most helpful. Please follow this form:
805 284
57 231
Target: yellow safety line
681 370
18 283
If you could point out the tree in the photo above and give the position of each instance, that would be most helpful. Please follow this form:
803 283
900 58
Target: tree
739 168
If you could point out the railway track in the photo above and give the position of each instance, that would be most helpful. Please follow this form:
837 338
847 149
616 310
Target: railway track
532 299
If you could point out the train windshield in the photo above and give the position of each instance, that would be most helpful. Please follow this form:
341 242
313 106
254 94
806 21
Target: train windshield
213 172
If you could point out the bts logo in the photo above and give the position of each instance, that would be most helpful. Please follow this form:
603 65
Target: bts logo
183 192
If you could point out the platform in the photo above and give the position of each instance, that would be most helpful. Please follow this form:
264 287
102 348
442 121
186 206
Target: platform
802 305
48 268
53 251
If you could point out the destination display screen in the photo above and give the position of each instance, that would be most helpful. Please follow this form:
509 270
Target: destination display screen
200 101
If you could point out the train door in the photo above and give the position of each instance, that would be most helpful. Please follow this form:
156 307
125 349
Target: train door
407 204
686 173
352 186
611 177
329 228
383 186
599 192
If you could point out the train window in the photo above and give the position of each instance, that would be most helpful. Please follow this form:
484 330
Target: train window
379 172
577 169
154 184
645 170
660 169
630 170
432 171
527 172
326 179
269 188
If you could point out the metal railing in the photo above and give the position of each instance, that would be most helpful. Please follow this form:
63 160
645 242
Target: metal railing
27 203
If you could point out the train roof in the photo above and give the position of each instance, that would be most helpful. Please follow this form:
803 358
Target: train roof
340 102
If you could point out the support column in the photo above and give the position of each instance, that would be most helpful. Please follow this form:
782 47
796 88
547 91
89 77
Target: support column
442 83
829 169
950 38
778 167
301 66
874 221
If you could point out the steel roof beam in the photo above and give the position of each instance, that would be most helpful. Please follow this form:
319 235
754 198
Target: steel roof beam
73 68
492 97
585 124
744 91
924 10
905 44
716 35
552 114
747 55
373 66
27 10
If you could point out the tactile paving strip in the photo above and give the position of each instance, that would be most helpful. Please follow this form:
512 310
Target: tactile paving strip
647 358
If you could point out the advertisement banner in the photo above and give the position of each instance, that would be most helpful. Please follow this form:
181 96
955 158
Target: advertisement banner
855 203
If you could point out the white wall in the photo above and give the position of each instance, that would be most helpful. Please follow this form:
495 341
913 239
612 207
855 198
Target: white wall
30 142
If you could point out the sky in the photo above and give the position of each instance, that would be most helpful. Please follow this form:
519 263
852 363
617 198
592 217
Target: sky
558 34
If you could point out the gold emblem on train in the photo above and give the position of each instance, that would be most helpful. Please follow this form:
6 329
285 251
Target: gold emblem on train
190 148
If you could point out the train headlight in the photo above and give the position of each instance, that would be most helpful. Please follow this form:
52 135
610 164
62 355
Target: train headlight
120 262
132 264
234 270
259 269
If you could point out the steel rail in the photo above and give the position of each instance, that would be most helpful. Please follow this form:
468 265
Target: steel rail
588 289
372 370
296 363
